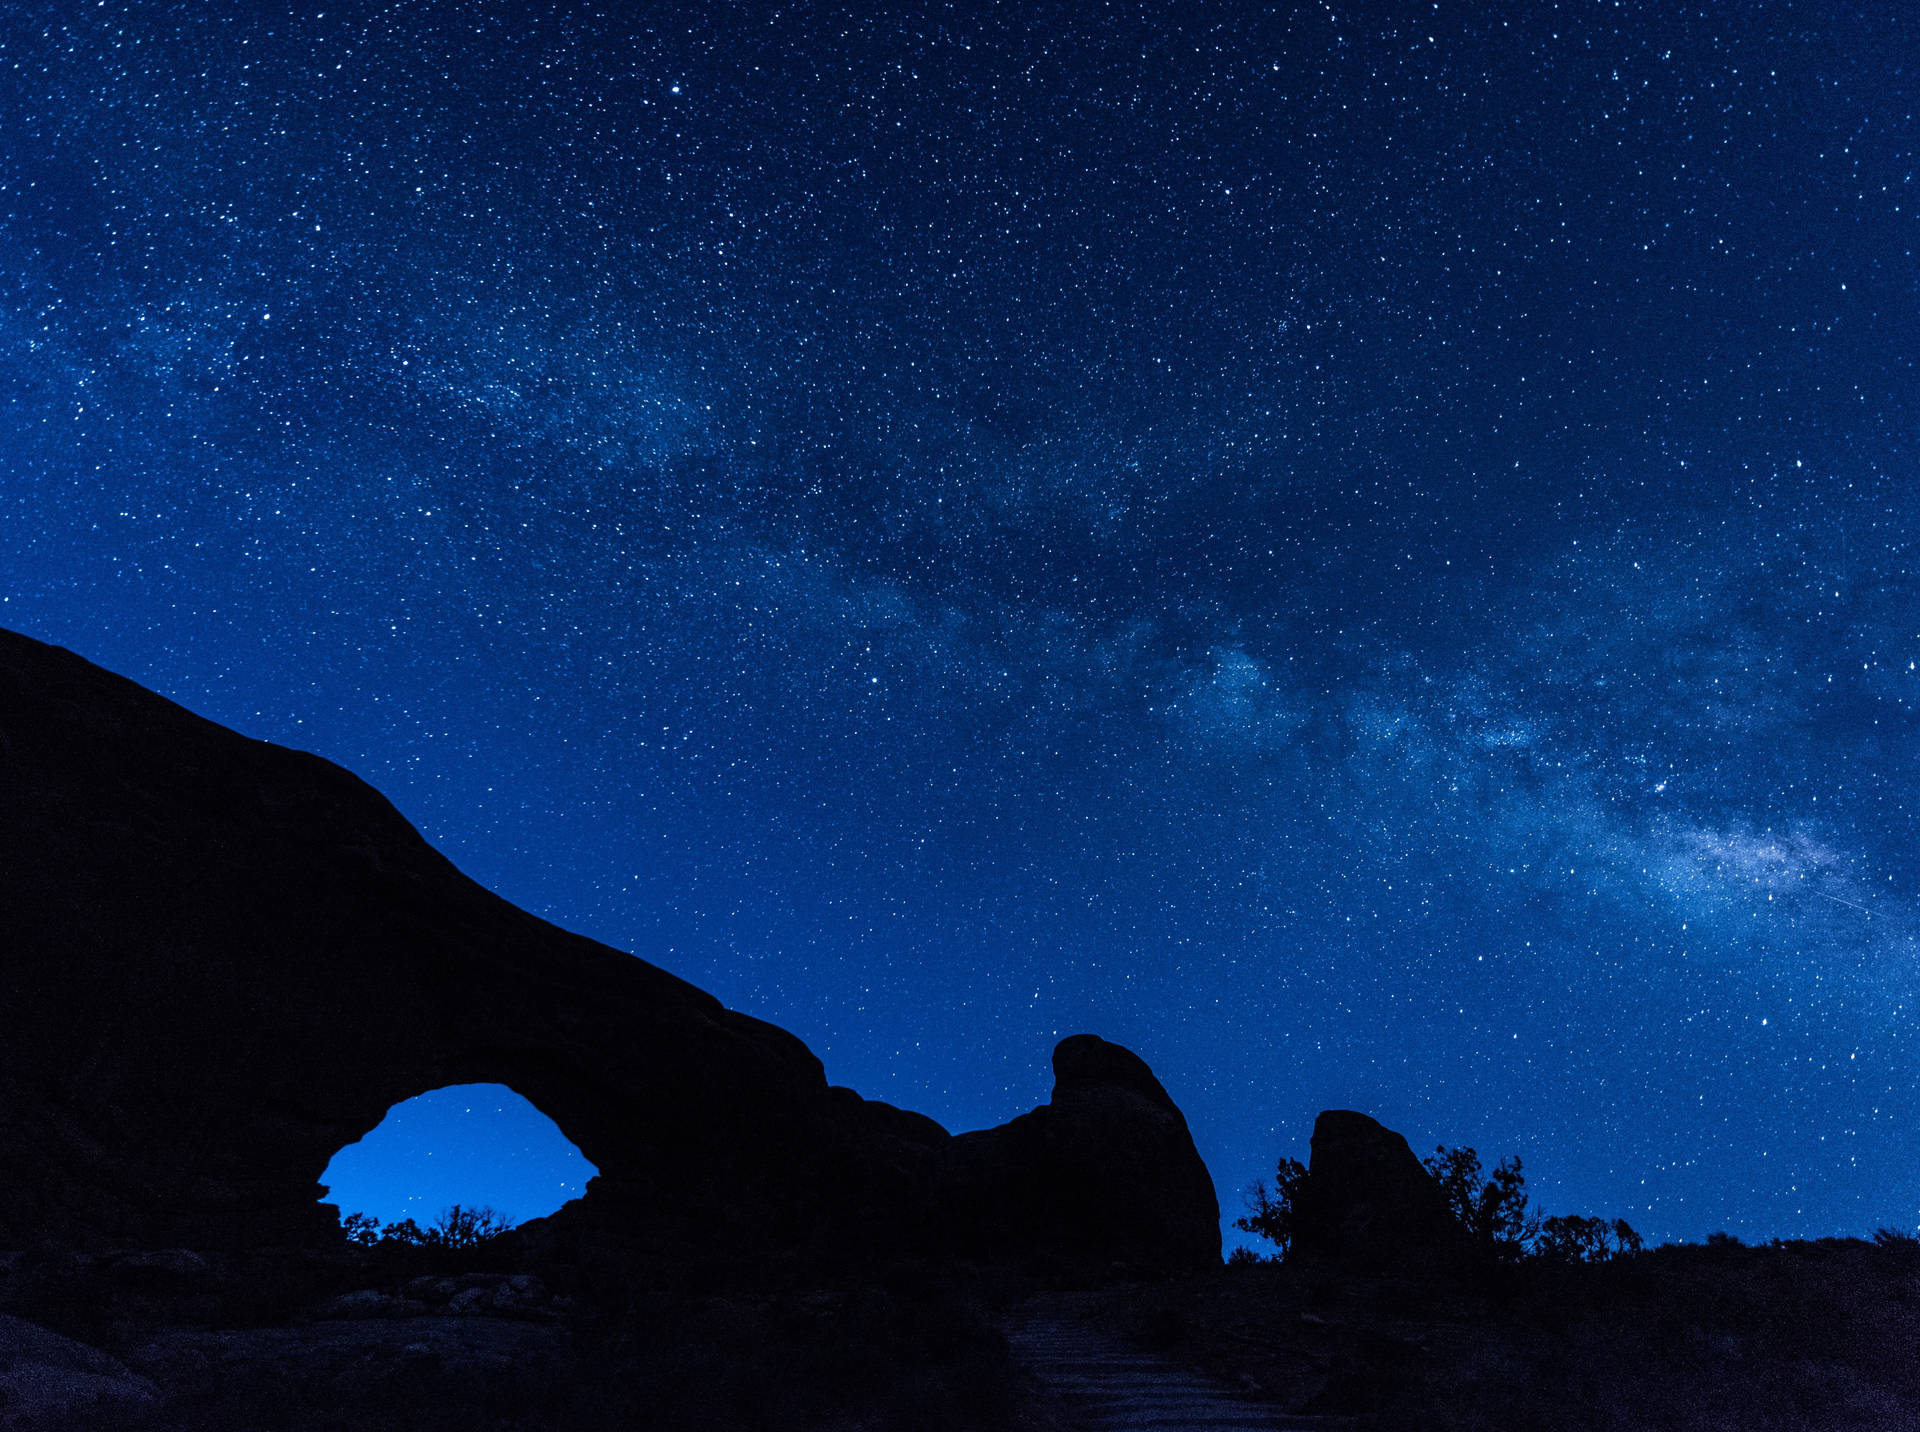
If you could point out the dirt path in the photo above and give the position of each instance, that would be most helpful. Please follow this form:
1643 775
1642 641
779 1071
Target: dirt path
1111 1387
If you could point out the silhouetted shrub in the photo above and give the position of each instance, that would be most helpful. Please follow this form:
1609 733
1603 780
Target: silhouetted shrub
1494 1211
1571 1238
1900 1249
466 1227
1272 1215
456 1229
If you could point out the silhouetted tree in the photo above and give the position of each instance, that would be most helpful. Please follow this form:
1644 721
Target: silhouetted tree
1570 1238
1272 1215
1494 1212
466 1227
456 1228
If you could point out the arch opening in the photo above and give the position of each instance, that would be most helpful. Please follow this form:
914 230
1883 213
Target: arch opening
474 1146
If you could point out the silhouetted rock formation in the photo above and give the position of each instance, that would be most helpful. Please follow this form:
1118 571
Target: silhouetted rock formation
1367 1199
48 1381
224 960
1105 1170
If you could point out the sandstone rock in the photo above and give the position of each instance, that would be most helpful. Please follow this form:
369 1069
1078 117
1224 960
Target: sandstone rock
369 1303
365 1372
430 1289
513 1295
1367 1199
225 960
161 1268
1105 1172
49 1382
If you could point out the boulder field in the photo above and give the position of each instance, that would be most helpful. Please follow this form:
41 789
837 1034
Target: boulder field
222 960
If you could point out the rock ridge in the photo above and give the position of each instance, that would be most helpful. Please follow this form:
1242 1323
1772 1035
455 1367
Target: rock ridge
227 959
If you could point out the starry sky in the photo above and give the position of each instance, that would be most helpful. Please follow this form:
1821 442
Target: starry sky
1364 551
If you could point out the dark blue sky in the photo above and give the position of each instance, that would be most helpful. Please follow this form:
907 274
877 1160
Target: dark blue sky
1364 552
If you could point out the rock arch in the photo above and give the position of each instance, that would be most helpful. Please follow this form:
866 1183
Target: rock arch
227 959
230 959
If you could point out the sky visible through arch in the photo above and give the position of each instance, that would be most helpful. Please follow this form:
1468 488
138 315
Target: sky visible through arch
1364 552
477 1146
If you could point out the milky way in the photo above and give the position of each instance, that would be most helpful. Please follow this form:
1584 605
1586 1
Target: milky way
1364 553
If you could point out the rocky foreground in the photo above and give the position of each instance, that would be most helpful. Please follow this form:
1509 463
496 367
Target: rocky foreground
370 1340
1782 1338
1789 1337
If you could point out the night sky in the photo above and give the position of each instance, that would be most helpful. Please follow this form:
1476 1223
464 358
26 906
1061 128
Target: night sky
1363 552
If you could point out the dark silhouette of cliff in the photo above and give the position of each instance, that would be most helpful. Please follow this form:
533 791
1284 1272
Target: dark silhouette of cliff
224 960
